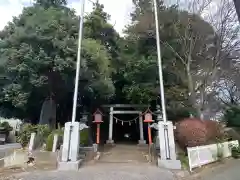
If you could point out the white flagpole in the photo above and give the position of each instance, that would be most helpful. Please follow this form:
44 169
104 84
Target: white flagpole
78 64
160 63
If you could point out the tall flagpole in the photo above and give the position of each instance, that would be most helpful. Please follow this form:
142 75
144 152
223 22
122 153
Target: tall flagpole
160 63
78 64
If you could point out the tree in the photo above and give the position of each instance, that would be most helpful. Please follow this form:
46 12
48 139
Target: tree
97 27
229 87
141 70
51 3
205 47
237 7
38 51
193 49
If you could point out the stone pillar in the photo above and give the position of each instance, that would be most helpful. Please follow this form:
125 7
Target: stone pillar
55 143
168 157
71 140
110 133
32 142
141 141
70 149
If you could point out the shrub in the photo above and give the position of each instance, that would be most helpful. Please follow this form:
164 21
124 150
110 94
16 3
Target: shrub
5 126
25 133
195 132
43 132
232 116
50 138
84 137
235 152
191 132
214 131
184 160
13 122
49 142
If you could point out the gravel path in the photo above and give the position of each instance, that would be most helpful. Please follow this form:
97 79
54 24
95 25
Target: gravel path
104 172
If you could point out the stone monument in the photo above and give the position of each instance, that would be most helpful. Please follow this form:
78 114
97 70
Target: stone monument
48 113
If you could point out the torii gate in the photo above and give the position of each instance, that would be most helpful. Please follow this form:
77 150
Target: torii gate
120 110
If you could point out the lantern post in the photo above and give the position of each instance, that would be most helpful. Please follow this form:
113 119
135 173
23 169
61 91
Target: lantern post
98 121
148 120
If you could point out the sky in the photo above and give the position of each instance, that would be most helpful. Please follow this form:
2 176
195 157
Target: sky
118 9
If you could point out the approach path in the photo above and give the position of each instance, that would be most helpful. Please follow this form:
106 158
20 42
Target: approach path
124 153
121 162
104 172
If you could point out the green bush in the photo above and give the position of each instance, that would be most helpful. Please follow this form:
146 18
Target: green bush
25 133
5 126
49 142
84 137
235 152
232 116
184 160
43 132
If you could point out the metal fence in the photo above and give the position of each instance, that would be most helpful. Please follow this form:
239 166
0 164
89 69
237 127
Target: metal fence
202 155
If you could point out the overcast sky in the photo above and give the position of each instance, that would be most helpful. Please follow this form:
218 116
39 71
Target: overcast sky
118 9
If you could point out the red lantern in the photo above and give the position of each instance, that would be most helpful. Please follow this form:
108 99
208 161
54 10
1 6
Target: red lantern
148 118
98 121
97 118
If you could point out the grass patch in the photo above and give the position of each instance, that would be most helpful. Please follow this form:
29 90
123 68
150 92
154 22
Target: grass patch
184 160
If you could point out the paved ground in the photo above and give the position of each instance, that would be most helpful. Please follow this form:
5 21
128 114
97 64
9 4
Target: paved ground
229 170
129 171
122 153
104 172
122 162
118 164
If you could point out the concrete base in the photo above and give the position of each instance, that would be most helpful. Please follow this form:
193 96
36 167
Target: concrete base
110 142
170 164
142 142
70 165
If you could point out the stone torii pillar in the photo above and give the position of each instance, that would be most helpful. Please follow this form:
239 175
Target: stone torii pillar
110 132
141 141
